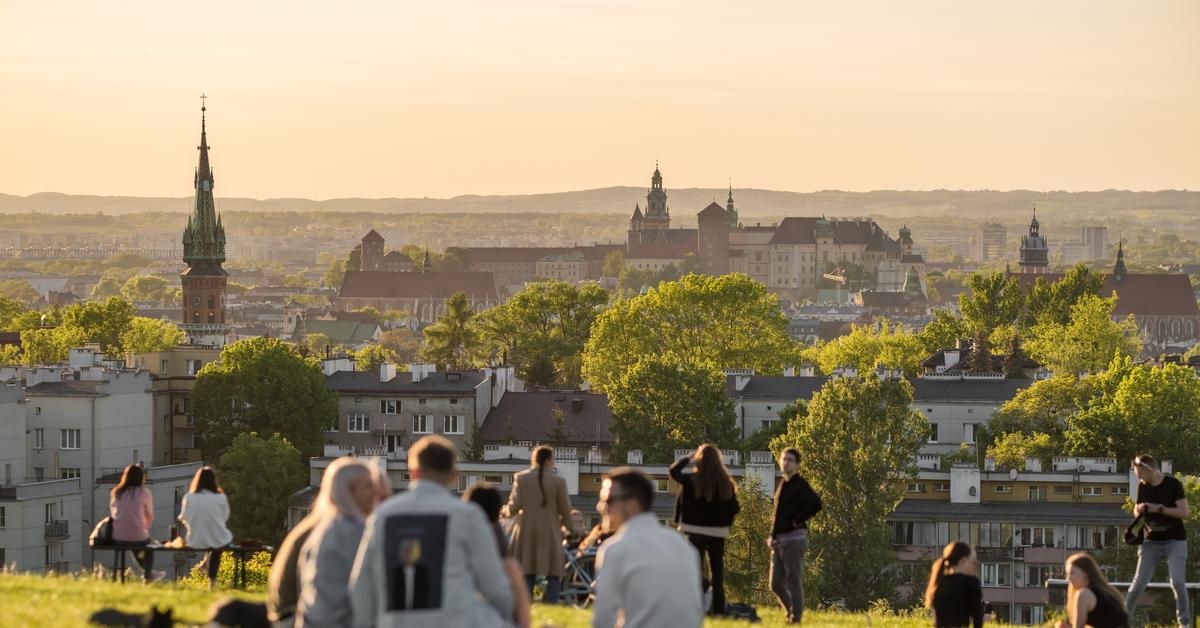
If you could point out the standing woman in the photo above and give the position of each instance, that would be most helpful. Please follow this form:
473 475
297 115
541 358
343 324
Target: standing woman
538 503
204 513
1091 600
132 509
328 555
704 509
954 593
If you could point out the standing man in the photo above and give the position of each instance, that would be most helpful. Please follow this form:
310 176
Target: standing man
1161 500
795 503
649 576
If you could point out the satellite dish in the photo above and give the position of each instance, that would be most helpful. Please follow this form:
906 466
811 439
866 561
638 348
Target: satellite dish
1012 474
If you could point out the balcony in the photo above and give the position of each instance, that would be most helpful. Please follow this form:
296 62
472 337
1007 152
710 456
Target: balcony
58 566
183 421
185 454
57 531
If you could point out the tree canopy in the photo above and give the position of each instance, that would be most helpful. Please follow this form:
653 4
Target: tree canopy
992 301
259 475
145 335
869 346
452 342
1088 341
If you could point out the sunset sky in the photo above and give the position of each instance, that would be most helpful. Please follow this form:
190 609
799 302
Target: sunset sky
326 99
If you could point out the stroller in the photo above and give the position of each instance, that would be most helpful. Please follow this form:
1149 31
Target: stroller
579 577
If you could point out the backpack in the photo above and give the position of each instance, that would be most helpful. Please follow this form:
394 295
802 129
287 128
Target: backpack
102 534
742 611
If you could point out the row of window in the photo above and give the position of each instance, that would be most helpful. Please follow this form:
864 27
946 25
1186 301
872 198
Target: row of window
421 423
392 406
1037 493
67 438
989 534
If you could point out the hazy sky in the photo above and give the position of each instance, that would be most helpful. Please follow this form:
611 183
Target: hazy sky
327 99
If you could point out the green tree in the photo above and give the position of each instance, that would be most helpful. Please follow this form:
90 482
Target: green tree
858 442
1010 450
869 346
405 343
48 346
1053 301
1088 342
148 334
722 322
259 475
259 384
297 280
1041 408
107 287
1014 361
102 321
334 274
980 360
317 343
371 357
660 405
942 332
10 309
452 342
146 288
10 355
374 314
747 556
993 300
614 262
18 290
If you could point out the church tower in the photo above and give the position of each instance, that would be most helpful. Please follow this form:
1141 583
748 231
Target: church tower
734 222
657 216
204 252
1035 254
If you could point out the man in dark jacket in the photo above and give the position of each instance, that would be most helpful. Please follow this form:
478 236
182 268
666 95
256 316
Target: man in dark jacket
795 503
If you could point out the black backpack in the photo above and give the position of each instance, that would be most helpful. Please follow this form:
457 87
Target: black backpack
102 534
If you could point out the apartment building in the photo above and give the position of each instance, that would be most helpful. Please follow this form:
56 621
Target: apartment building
172 378
1025 523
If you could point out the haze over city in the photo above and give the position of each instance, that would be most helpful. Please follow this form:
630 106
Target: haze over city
439 99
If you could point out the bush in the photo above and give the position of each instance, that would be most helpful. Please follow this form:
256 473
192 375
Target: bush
258 567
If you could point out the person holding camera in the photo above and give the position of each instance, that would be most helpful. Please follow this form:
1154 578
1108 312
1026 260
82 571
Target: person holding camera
1163 505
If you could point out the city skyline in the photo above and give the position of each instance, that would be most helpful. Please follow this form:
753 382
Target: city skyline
554 96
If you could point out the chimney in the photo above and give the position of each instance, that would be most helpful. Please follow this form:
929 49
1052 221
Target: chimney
951 357
577 405
789 371
740 381
634 456
808 370
387 372
421 371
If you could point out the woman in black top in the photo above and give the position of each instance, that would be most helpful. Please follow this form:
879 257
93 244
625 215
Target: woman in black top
704 509
1091 600
954 593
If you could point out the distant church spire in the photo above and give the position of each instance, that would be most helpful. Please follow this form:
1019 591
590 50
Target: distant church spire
426 265
204 236
730 209
1119 268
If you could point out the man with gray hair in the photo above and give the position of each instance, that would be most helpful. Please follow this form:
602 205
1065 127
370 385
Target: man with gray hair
428 559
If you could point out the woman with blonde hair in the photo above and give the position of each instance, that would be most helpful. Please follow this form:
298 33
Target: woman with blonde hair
954 593
1091 600
704 509
538 503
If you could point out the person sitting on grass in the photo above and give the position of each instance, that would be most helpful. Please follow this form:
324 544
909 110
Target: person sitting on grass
1091 600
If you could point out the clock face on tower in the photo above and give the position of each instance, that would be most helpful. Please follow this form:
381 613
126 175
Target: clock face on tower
195 300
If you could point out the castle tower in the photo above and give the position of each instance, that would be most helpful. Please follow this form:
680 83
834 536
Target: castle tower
204 279
657 215
906 241
734 222
371 257
1035 254
713 240
635 225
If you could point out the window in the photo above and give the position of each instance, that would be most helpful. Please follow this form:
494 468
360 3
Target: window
1093 491
1120 490
68 473
193 366
390 442
69 439
1037 493
421 424
39 438
995 574
39 474
163 366
662 485
389 406
452 424
1031 614
3 517
358 422
923 533
454 401
51 511
1091 537
768 423
1037 575
1062 490
494 479
1002 488
597 480
941 487
1035 536
915 487
421 401
933 432
969 433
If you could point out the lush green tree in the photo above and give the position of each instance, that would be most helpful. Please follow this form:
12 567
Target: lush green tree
869 346
146 288
405 343
724 322
371 357
942 332
452 342
18 290
298 280
1152 409
1052 301
747 557
102 321
980 360
660 405
993 300
1041 408
614 262
540 327
259 475
10 355
334 274
1013 365
10 309
1010 450
858 442
107 287
259 384
148 334
1088 342
317 344
47 346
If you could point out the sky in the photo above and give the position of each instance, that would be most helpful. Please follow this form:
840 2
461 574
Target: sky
358 98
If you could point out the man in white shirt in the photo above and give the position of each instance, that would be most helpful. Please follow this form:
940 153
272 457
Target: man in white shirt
649 576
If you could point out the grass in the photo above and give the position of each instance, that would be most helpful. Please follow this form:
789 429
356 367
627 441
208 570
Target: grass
53 601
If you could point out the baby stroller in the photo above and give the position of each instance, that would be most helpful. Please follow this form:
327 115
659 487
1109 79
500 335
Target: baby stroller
579 577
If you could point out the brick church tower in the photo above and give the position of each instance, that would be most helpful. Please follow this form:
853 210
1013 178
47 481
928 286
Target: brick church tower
204 252
1034 254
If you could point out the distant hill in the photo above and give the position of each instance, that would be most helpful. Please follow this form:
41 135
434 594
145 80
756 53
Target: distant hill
751 202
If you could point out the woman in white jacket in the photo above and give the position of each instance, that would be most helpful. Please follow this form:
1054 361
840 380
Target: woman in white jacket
204 513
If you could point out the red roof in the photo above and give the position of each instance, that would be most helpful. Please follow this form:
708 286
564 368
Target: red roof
529 416
1140 294
381 284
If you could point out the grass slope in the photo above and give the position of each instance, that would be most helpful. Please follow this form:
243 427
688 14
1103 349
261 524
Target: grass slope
50 602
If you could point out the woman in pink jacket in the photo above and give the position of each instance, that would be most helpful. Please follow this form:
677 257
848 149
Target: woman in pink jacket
132 509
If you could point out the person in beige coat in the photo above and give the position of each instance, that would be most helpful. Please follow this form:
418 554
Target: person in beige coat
539 505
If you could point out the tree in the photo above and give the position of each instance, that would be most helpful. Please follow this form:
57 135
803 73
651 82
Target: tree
403 342
18 290
148 334
943 332
10 309
1053 301
747 556
371 357
1041 408
869 346
980 360
452 342
1010 450
993 300
297 280
1014 362
660 405
1152 409
722 322
614 262
259 384
1089 341
371 313
761 439
334 274
540 328
103 322
108 286
146 288
10 355
558 436
259 475
47 346
858 441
